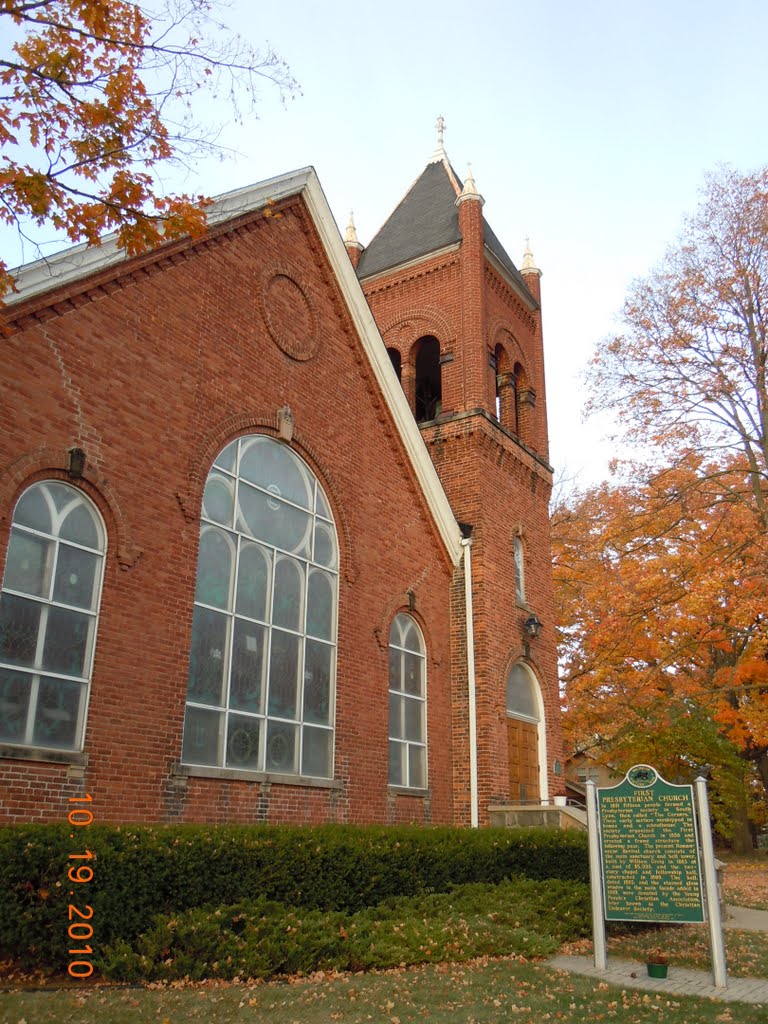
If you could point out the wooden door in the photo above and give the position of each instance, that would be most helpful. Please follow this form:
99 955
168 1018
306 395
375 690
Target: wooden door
523 741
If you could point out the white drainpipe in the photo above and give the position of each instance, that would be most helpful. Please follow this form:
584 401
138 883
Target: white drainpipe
466 543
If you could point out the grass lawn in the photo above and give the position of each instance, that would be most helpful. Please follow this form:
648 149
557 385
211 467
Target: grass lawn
480 992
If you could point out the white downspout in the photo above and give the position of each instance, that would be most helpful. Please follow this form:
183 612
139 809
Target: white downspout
466 543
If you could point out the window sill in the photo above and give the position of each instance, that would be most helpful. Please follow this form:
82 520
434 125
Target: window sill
194 771
408 791
67 757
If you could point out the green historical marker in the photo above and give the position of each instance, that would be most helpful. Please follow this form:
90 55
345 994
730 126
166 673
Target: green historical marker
650 851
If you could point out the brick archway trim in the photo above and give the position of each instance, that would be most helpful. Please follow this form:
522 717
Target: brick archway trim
52 463
424 321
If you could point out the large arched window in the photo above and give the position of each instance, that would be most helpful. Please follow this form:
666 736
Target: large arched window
262 668
407 705
49 607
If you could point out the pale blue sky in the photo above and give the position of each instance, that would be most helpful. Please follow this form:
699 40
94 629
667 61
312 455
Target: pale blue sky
589 127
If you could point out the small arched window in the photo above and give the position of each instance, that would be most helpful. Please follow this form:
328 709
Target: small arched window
518 376
429 387
497 362
407 705
519 571
49 607
261 688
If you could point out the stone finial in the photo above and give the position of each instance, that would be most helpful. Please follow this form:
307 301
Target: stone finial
352 243
350 236
470 189
528 266
439 153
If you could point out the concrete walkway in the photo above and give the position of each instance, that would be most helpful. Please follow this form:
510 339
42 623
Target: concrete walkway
680 981
746 919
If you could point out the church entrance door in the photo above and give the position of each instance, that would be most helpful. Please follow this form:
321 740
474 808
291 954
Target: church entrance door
523 744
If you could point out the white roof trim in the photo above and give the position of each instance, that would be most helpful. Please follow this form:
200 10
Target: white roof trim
82 260
382 368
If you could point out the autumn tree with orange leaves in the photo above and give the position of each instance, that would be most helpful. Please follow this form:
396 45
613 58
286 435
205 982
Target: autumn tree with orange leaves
663 597
96 95
688 374
662 578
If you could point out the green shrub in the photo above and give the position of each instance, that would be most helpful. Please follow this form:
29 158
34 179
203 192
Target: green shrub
141 871
259 938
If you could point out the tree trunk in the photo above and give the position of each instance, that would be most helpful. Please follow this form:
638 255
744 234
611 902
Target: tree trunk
741 842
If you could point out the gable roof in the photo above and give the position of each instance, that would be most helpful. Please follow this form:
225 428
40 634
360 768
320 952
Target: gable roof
425 221
80 261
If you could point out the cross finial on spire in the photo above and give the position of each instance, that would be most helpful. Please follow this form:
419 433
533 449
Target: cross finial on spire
440 125
439 153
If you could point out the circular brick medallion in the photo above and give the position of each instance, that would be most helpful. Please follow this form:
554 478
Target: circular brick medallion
290 318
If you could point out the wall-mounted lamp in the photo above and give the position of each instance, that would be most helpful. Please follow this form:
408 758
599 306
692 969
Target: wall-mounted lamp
532 626
76 466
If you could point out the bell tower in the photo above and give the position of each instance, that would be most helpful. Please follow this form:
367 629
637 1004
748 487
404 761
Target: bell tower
462 326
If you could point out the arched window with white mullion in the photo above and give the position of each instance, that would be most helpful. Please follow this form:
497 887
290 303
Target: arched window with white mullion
407 704
261 690
49 608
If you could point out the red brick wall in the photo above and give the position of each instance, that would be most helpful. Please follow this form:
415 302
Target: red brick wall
151 371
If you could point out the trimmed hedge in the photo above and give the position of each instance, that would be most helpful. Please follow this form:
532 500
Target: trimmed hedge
260 939
141 871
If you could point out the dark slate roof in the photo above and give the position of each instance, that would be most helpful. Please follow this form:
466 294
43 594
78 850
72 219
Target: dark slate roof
427 219
503 257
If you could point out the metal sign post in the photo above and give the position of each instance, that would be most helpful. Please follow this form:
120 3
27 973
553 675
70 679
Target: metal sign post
714 922
595 877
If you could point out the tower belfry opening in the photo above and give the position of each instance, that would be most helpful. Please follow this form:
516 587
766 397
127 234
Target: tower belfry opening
429 388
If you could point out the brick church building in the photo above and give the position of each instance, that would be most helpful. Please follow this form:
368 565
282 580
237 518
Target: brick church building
273 521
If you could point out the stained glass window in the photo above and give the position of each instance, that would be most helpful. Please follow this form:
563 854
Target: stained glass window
260 693
407 705
49 606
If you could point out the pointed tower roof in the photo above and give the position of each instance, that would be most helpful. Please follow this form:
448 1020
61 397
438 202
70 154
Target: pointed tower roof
427 220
